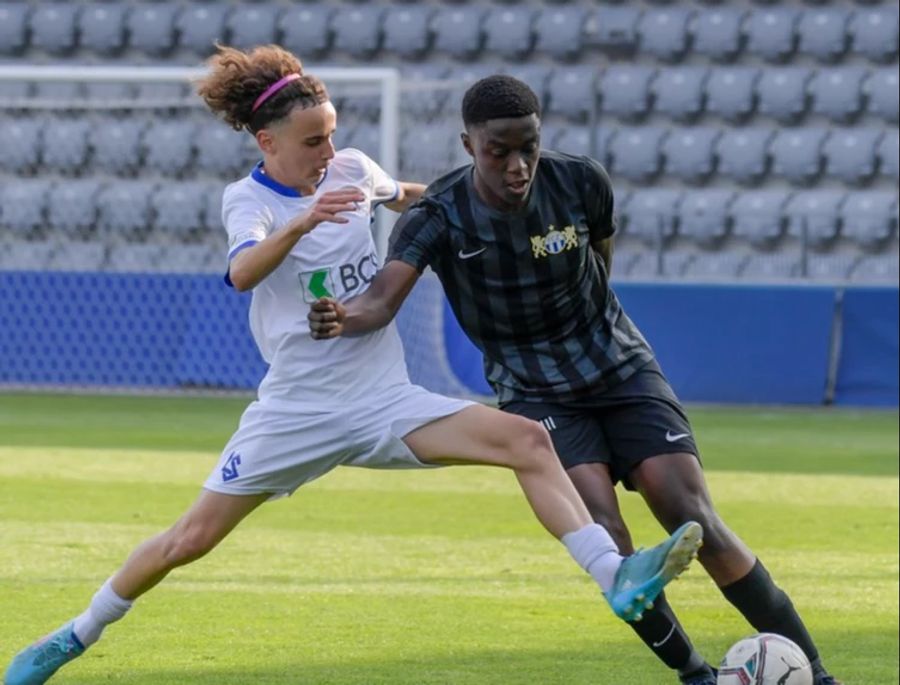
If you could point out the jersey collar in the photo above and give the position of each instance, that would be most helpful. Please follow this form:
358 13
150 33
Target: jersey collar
262 178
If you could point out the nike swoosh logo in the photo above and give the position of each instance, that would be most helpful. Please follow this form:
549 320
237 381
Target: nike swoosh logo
469 255
670 437
665 639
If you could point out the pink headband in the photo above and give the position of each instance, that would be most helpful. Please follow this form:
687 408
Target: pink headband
274 88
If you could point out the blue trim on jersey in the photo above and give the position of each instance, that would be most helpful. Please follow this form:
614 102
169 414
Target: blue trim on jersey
260 177
231 255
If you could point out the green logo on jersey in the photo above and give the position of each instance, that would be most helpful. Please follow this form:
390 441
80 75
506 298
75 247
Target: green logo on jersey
316 284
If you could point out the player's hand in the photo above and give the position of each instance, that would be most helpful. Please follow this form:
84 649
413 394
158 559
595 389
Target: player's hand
326 318
328 208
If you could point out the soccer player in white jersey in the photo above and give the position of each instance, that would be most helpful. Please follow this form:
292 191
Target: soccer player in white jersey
299 229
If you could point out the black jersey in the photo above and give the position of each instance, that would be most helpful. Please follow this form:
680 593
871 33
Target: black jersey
526 286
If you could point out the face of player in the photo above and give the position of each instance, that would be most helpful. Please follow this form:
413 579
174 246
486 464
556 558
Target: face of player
298 148
505 152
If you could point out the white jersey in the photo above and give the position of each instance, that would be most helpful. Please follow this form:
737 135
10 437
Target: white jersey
334 260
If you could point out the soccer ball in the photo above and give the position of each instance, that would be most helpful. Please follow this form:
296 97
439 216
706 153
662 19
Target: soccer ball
765 659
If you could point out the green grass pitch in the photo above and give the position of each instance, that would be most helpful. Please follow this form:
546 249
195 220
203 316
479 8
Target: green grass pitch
421 578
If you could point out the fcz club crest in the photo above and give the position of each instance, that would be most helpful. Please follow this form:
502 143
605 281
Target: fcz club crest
554 242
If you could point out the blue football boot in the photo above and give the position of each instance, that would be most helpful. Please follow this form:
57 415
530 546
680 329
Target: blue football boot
35 664
644 574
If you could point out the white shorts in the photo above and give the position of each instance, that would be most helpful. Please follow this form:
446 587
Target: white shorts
276 451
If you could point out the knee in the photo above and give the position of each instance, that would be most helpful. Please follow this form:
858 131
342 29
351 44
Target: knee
716 535
528 444
184 544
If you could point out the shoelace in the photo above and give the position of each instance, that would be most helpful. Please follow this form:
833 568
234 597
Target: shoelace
54 649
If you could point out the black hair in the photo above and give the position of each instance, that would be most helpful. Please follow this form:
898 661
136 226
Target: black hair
498 97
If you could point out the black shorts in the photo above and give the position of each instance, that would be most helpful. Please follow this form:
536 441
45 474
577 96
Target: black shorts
637 419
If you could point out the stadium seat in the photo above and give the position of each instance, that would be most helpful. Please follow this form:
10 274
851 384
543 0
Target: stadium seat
27 256
870 217
220 150
252 25
823 32
689 152
23 204
425 151
178 209
679 92
650 215
102 27
306 29
509 31
636 152
625 91
815 213
560 31
200 26
135 258
603 144
830 268
167 145
119 94
116 145
717 32
151 27
13 27
407 30
877 269
20 140
743 153
190 259
715 266
873 32
59 92
573 140
850 153
758 216
11 91
72 207
883 94
614 27
771 267
730 92
837 93
357 29
423 90
124 209
212 208
782 93
663 32
771 32
65 146
888 155
572 91
75 256
53 27
367 138
797 153
703 215
458 30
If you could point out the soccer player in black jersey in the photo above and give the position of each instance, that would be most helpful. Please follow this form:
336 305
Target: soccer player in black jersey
522 243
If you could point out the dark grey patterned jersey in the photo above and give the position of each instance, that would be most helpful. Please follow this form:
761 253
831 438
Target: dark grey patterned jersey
527 287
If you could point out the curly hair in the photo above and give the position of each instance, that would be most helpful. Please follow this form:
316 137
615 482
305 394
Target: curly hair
498 97
237 78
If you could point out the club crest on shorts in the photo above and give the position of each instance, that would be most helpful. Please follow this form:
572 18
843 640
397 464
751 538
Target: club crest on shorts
230 468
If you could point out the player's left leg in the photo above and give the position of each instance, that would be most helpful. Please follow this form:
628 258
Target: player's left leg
675 489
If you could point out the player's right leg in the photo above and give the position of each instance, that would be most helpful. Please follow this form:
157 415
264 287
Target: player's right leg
205 524
480 435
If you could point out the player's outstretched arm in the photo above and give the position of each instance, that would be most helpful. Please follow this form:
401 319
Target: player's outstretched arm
374 309
407 193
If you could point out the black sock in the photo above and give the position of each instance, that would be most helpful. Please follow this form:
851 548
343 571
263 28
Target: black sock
769 609
663 634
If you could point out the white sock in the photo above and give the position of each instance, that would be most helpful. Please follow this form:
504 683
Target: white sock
596 552
106 607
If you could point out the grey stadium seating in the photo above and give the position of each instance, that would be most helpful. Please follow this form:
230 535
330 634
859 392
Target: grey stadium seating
663 32
72 207
679 92
703 215
889 154
407 30
458 30
876 269
772 32
101 27
883 94
20 140
151 27
782 92
357 29
815 214
837 93
758 216
689 152
625 91
797 153
731 92
250 25
123 209
572 90
23 206
717 32
13 23
650 214
743 153
65 145
167 145
615 26
560 31
636 152
200 25
306 29
870 217
823 32
116 145
873 32
850 154
53 27
178 209
509 31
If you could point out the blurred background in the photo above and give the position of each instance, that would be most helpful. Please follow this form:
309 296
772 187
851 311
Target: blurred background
753 147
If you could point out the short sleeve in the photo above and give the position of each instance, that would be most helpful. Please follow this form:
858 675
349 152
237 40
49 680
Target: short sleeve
383 187
418 236
246 220
599 204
